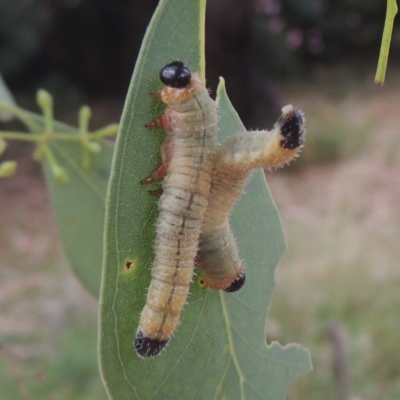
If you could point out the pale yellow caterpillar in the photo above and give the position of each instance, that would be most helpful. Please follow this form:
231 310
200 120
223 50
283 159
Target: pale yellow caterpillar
188 153
218 255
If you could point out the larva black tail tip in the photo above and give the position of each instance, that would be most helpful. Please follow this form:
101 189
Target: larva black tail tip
237 283
292 126
147 347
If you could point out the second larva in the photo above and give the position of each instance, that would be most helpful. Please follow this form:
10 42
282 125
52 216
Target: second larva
218 255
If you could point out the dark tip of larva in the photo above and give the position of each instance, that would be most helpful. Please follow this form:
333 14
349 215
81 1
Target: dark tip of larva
175 74
292 127
147 347
237 283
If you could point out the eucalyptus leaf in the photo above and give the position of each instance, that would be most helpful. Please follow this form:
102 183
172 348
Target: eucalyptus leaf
80 208
6 97
219 350
79 203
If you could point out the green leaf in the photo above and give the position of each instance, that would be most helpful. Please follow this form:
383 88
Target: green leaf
6 97
79 203
219 350
80 208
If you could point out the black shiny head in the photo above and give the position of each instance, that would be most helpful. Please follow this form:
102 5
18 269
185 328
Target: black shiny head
237 283
175 74
147 347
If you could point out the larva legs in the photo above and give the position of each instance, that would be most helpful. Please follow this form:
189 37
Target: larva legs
218 254
156 175
161 122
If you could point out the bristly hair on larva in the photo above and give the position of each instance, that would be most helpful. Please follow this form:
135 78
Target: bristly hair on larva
218 255
188 159
200 186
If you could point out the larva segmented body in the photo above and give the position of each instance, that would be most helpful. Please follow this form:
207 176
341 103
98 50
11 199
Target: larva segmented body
218 255
188 154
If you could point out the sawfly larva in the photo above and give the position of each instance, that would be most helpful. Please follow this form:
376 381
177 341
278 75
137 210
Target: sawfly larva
218 255
188 153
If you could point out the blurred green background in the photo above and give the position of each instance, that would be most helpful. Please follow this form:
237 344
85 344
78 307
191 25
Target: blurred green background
338 283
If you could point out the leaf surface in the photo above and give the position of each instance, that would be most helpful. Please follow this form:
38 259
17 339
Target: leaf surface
79 204
6 97
219 350
80 208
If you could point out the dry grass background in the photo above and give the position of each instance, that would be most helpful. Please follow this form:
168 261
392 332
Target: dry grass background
342 221
340 210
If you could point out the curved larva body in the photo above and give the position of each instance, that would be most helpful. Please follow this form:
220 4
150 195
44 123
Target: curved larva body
190 121
218 255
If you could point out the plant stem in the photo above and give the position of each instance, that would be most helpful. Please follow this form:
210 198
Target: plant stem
29 137
391 11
